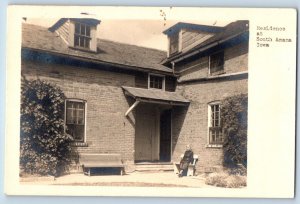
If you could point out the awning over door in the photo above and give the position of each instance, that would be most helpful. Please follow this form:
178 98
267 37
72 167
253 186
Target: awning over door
155 96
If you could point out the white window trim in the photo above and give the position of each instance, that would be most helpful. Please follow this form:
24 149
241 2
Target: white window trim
90 37
209 124
85 114
163 82
209 59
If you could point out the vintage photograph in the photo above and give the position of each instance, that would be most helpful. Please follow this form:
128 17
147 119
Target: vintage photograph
143 103
150 102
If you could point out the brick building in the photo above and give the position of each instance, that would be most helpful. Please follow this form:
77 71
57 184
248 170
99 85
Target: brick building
142 103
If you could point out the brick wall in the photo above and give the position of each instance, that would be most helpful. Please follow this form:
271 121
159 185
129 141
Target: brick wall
236 60
190 125
107 129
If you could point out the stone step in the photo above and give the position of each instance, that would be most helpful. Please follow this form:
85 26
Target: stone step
154 167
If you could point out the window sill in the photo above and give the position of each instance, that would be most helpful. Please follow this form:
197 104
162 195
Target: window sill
157 89
214 146
80 144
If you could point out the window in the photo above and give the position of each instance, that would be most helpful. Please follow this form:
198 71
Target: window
215 128
216 63
75 119
82 36
156 82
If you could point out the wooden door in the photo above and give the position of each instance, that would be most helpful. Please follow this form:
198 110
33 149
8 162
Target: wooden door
165 136
145 133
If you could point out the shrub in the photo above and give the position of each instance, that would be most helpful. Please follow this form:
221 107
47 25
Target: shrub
236 181
226 180
216 179
45 148
234 119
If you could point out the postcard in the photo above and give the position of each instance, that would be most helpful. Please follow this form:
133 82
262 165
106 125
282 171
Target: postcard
150 101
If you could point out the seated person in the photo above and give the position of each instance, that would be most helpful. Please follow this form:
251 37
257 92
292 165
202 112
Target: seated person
185 161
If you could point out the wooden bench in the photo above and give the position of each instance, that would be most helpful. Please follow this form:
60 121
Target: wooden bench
89 161
191 168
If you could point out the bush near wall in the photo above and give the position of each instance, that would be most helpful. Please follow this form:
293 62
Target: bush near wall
45 148
226 180
234 119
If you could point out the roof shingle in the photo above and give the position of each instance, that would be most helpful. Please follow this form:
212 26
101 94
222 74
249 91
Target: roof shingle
40 38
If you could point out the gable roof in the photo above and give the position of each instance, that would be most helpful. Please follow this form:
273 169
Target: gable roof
229 32
108 51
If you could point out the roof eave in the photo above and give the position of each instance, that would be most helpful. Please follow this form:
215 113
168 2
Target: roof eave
191 53
163 102
121 66
61 21
180 25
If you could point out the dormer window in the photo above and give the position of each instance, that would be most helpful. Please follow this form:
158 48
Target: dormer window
156 82
82 36
78 33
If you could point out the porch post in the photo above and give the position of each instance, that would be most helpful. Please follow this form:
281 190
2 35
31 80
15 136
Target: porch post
132 107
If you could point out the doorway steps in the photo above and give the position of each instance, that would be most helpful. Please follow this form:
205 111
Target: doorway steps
153 166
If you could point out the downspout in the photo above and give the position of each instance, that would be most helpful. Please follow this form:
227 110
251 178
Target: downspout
173 67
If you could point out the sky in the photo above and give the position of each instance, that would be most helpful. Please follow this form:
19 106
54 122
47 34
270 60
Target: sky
146 33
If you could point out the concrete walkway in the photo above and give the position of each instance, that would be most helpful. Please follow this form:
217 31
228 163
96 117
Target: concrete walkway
161 179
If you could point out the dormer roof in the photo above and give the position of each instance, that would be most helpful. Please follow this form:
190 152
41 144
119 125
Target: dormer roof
88 21
204 28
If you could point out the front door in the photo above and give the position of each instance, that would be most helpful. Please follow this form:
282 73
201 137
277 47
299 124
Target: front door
165 136
146 133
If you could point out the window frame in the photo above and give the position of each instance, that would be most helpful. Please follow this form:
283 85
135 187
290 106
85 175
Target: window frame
83 141
210 125
221 71
163 81
81 35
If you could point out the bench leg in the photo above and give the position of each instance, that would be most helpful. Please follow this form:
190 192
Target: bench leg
89 172
85 172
